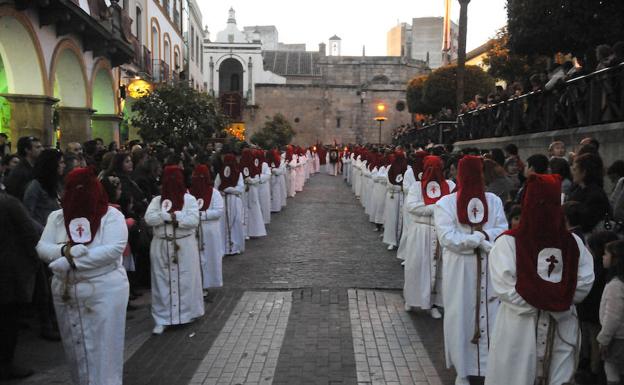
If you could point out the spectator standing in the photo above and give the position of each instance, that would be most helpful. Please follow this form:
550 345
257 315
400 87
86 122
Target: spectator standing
561 167
18 267
587 190
616 174
28 149
611 336
43 193
9 162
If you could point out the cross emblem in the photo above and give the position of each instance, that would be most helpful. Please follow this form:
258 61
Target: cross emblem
475 211
80 230
552 260
433 190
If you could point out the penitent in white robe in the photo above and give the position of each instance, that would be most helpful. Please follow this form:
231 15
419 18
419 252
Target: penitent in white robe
233 217
520 332
357 177
177 296
299 174
392 214
254 222
264 193
291 176
277 191
92 320
423 266
408 181
459 284
379 195
211 248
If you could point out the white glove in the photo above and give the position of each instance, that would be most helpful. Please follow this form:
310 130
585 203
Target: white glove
166 216
474 240
60 265
485 246
78 251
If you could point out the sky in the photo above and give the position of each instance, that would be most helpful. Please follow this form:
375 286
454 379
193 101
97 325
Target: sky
357 23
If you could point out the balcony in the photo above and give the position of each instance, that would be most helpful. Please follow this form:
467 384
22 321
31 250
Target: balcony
160 71
104 31
146 63
176 19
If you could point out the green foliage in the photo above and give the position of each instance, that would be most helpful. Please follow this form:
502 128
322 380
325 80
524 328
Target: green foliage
440 88
548 27
414 96
509 66
178 116
277 132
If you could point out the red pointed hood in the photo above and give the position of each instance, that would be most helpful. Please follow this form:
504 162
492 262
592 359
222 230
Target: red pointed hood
173 187
202 186
472 208
84 204
547 254
433 184
230 172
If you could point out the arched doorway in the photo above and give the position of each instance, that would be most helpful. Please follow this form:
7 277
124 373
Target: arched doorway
105 122
69 83
231 88
24 107
230 76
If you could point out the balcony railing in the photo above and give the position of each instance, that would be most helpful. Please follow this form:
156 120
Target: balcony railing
160 71
146 65
595 98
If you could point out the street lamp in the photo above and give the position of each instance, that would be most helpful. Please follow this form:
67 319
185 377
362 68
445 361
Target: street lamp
381 108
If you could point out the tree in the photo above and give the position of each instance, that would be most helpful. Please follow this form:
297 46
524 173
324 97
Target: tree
276 132
439 90
548 27
510 67
179 116
414 96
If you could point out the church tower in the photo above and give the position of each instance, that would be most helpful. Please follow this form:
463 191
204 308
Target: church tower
334 45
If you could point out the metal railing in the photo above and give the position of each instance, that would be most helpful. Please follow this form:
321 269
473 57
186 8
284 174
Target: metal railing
160 71
587 100
146 65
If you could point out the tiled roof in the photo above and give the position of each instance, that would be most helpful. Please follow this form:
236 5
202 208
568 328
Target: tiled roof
292 63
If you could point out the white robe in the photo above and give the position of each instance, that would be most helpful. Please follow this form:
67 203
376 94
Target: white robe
232 220
176 280
264 193
308 165
282 180
357 177
92 321
459 283
291 176
393 221
408 181
519 335
422 264
317 163
346 169
254 222
276 189
211 247
299 174
379 194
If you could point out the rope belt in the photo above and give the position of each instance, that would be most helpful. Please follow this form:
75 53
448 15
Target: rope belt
171 239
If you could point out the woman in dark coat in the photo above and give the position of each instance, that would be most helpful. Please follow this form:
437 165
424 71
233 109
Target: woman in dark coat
18 267
587 175
43 192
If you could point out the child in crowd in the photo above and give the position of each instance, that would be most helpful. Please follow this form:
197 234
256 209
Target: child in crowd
590 365
611 336
514 216
574 216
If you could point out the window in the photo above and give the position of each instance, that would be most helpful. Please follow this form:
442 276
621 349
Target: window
234 82
137 23
337 122
192 43
197 49
176 60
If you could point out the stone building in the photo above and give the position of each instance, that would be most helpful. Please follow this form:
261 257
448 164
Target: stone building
334 98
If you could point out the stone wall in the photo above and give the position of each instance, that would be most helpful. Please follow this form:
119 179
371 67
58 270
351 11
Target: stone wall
610 136
314 111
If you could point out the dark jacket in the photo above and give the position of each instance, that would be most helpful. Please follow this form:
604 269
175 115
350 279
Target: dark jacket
18 257
595 204
39 203
19 178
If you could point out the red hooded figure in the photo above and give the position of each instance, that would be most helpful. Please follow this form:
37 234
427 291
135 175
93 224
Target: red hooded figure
173 188
547 255
248 163
472 208
417 163
433 184
397 169
229 173
84 204
275 158
201 186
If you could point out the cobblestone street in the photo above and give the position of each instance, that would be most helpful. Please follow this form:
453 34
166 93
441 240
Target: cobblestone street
318 301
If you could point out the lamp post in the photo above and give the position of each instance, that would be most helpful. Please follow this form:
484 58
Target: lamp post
461 51
380 117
